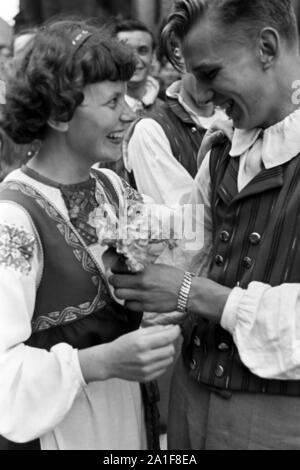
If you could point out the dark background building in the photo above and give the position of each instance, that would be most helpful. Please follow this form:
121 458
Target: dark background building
35 12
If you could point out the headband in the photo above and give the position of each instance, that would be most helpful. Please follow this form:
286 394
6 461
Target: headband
79 39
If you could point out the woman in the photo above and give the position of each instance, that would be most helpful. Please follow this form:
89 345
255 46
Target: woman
70 356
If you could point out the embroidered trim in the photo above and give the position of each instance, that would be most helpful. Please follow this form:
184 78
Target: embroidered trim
70 314
16 248
131 194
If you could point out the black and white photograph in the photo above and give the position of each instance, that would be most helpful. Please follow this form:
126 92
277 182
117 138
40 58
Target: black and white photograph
149 227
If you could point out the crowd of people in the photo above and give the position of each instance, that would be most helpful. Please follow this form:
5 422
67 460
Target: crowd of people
90 123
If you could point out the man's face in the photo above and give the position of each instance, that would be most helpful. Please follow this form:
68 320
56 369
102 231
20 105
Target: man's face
141 44
229 73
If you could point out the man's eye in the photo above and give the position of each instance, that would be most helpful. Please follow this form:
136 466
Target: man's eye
143 50
211 74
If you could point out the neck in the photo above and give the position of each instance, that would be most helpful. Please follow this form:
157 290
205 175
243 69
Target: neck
206 110
137 90
58 163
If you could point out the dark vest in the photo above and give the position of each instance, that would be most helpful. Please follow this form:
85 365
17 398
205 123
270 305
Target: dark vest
73 303
184 135
256 237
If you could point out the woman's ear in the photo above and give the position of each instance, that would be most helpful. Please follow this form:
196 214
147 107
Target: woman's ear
58 126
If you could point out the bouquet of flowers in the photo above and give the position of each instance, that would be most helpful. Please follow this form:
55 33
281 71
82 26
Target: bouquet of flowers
138 234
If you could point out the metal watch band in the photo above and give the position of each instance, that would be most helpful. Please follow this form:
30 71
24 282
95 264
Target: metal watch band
184 292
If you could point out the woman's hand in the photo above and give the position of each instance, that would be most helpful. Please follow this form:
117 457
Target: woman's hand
140 356
215 135
156 289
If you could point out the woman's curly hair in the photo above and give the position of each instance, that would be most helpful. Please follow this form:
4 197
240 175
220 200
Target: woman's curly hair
49 79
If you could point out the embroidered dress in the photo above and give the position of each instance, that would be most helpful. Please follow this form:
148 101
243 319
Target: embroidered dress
54 403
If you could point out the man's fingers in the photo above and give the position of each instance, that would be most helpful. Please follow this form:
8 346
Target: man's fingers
134 306
124 281
128 294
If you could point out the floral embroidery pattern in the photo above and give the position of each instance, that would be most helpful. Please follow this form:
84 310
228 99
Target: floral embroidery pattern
81 202
131 194
16 248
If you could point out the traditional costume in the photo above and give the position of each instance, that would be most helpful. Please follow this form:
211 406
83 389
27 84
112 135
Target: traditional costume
56 300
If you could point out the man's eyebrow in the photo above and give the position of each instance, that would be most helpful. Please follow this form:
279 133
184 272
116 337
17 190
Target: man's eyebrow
205 66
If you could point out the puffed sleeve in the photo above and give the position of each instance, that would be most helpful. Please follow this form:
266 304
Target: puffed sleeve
37 387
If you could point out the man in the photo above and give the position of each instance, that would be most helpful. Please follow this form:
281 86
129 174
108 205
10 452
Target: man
164 145
238 386
143 90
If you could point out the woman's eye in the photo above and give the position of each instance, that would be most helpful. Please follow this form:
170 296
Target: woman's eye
113 103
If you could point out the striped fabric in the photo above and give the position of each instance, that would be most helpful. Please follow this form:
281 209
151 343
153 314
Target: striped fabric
256 238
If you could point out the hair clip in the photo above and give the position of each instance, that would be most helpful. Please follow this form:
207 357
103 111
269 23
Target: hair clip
80 38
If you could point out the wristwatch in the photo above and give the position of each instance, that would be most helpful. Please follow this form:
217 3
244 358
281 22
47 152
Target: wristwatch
184 292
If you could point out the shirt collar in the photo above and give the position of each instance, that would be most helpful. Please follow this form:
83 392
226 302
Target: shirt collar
280 143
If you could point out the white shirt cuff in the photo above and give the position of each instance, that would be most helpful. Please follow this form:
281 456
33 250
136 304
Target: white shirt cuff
230 313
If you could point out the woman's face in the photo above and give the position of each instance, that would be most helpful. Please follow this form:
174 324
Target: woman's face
97 128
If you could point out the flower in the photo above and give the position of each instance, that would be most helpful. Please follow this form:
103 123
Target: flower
138 233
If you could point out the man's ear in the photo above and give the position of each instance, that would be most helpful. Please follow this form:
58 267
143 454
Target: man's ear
269 41
58 126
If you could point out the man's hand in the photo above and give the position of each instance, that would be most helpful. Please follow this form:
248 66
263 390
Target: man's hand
154 290
215 135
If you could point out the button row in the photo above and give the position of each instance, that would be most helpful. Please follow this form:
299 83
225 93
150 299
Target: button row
219 370
254 238
247 262
224 347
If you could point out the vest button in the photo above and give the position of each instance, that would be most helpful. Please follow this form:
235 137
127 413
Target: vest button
223 347
225 236
219 260
219 371
193 364
255 238
247 262
194 130
197 341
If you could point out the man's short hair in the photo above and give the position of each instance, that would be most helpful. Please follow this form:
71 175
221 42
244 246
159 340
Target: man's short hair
251 15
133 25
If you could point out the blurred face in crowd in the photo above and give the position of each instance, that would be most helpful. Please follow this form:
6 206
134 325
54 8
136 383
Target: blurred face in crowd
231 73
141 44
97 128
